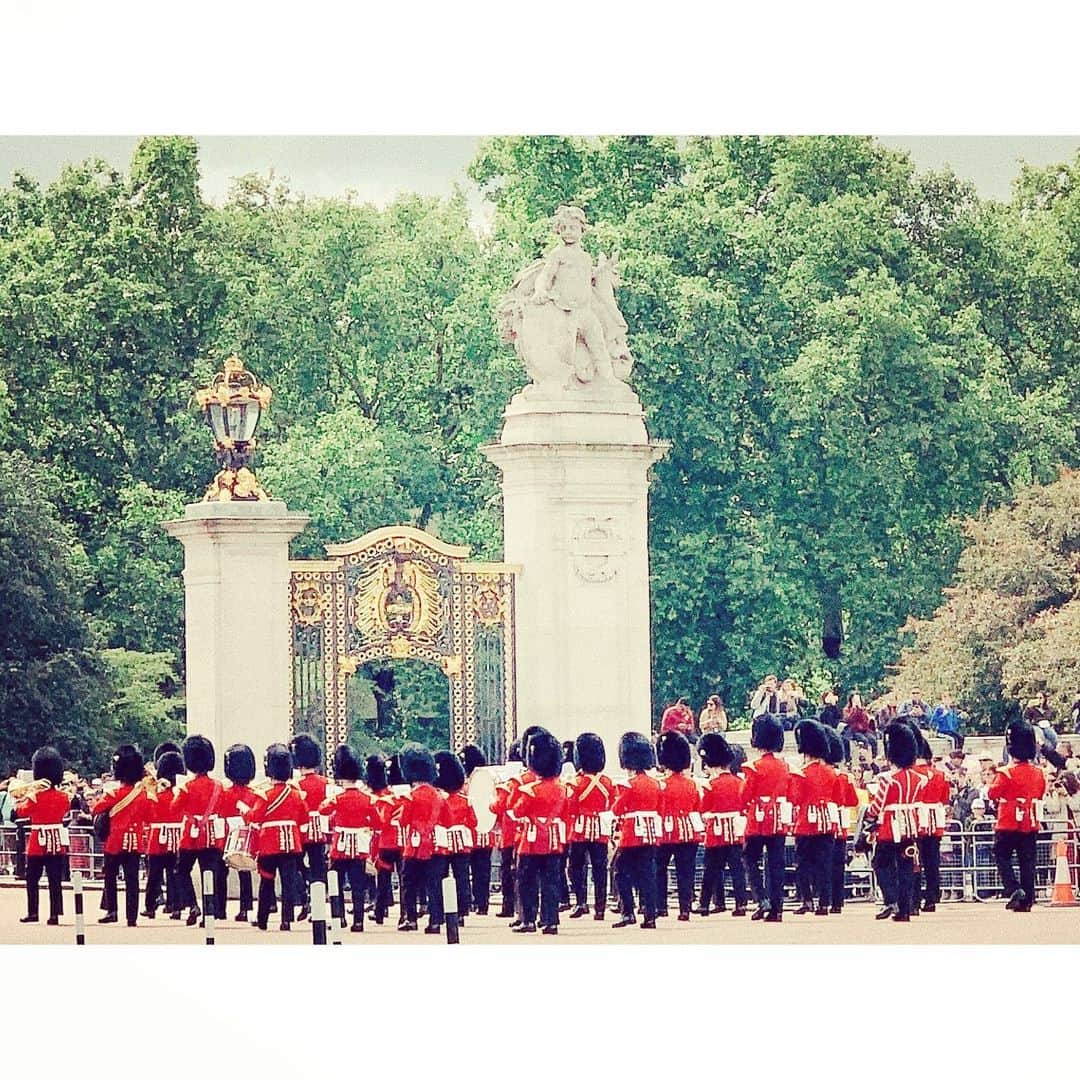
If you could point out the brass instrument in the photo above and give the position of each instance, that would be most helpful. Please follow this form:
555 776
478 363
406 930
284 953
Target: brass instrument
24 789
912 852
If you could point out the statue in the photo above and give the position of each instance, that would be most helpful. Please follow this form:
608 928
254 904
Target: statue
562 318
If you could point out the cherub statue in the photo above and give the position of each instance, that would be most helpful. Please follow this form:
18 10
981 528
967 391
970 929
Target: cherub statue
563 320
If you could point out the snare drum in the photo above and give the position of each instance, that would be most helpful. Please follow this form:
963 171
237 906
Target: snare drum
240 848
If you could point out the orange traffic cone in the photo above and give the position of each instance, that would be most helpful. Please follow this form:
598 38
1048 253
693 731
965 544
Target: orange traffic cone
1063 894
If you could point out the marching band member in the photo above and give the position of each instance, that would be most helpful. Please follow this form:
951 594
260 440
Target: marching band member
128 809
353 820
308 759
589 817
203 839
680 822
526 777
768 814
419 812
810 791
236 800
506 828
456 831
1018 789
637 807
45 808
845 799
165 827
725 825
386 845
472 758
933 799
540 808
279 815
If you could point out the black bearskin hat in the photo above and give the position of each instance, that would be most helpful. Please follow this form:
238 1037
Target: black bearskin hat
127 765
738 759
472 757
375 773
279 762
636 752
393 771
346 765
166 747
767 734
514 753
48 765
673 751
170 765
589 753
1020 741
198 754
240 763
527 736
306 752
714 750
449 772
417 764
545 756
900 745
810 739
836 747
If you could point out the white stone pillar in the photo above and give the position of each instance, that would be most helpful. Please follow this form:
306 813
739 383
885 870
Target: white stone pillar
575 513
236 616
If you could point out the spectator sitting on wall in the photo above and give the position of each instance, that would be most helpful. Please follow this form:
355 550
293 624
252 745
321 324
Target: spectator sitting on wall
765 699
713 717
678 717
916 709
945 721
858 727
1074 713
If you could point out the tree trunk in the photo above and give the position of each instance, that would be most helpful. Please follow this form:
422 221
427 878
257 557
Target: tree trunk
832 623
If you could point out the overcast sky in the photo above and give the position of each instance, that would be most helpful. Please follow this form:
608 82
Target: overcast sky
378 167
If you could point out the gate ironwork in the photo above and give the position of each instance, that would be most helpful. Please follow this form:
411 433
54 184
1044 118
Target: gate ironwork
399 593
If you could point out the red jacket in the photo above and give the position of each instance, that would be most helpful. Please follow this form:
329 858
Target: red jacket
764 794
846 798
680 810
933 797
204 826
590 795
419 813
46 811
353 821
456 832
894 805
637 806
505 793
1016 788
125 825
811 791
540 808
279 817
677 718
313 786
721 809
164 824
386 804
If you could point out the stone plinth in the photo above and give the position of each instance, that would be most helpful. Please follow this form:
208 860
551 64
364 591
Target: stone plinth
575 511
236 608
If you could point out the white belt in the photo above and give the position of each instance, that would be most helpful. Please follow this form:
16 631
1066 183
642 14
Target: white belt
352 841
174 828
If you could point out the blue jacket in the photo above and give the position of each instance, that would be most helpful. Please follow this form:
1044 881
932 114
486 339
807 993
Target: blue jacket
945 720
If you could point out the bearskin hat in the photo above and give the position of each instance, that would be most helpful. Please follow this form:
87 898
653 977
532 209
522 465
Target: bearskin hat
1020 741
810 739
198 754
527 736
836 747
714 750
900 745
375 773
472 757
545 756
166 747
589 753
514 752
306 752
279 762
449 772
48 765
673 751
636 753
922 747
240 763
346 765
393 771
767 734
170 765
127 765
738 760
417 764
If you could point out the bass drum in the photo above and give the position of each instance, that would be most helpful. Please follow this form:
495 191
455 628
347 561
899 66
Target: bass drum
481 795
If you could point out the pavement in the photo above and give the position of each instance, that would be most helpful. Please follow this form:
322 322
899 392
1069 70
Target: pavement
951 924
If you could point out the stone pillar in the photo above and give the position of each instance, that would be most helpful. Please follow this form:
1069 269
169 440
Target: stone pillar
575 512
237 625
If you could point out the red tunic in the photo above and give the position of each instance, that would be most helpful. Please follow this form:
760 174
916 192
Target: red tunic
456 831
279 818
353 820
894 805
204 826
126 824
45 811
933 798
164 824
765 795
313 785
721 808
540 807
1017 788
680 810
637 806
588 807
386 804
846 798
811 791
505 825
419 813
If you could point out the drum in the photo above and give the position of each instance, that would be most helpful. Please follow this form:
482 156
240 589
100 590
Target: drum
481 796
240 848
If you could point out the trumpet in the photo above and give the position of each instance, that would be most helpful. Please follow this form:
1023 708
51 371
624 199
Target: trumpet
24 789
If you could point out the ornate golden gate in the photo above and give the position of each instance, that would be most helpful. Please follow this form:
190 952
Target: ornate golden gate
400 593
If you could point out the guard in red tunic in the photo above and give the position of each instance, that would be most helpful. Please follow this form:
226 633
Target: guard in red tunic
472 758
353 822
681 825
810 792
203 839
506 828
386 844
540 809
418 814
1018 789
589 820
637 809
129 811
768 817
456 831
308 760
845 799
164 829
725 825
933 798
47 844
526 777
237 799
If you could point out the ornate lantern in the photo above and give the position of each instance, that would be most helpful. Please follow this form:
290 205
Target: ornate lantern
232 405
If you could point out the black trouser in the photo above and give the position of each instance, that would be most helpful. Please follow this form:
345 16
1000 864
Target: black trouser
507 879
458 865
384 881
768 891
244 878
814 873
539 883
128 861
480 875
712 881
287 868
355 870
422 878
839 863
161 873
1006 841
685 856
53 865
595 852
208 859
930 875
895 871
637 870
564 878
313 868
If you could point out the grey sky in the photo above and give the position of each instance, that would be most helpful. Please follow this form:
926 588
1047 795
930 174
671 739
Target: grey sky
378 167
